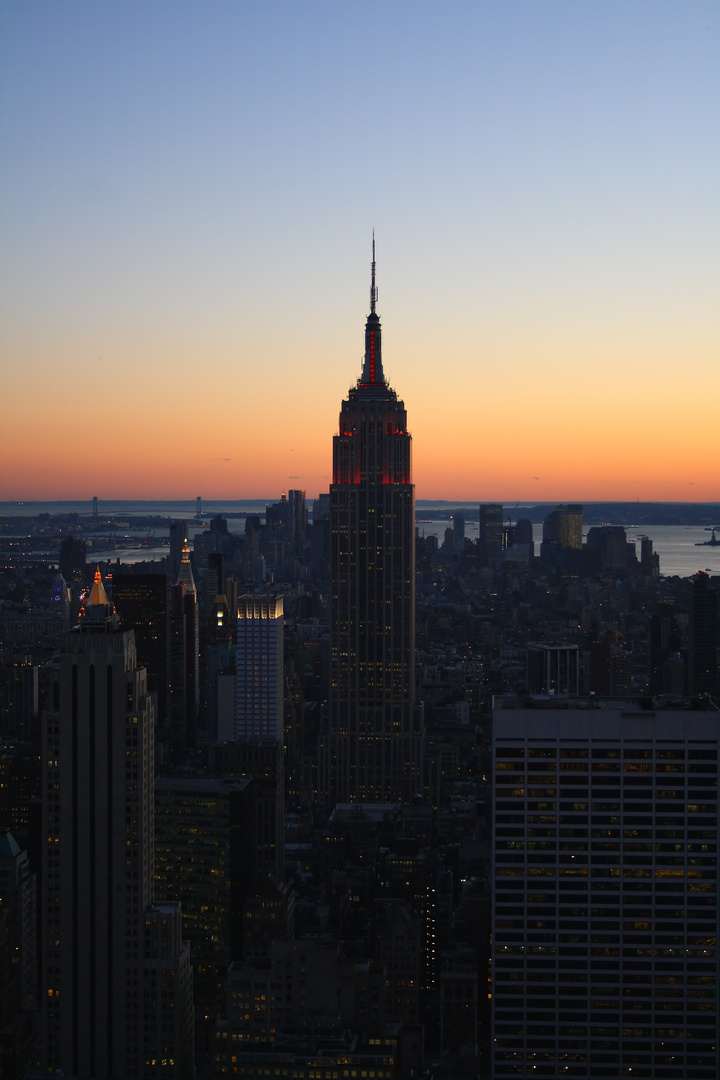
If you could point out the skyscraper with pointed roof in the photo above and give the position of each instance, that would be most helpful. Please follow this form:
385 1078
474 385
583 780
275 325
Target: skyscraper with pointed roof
185 658
185 577
117 994
371 748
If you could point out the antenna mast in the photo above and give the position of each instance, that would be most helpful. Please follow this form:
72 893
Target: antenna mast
373 286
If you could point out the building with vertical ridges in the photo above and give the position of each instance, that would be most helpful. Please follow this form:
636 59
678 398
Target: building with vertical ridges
705 635
371 747
490 534
117 982
184 658
143 603
259 668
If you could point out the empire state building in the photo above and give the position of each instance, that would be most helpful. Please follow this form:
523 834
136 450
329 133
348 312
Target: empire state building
371 750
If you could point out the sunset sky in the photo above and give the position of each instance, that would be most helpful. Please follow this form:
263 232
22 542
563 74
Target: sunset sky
187 197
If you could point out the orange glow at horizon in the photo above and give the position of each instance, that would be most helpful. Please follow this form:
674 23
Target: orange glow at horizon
500 439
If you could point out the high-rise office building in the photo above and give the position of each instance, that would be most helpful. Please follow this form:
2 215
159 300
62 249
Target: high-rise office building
298 520
205 857
705 635
73 559
18 890
564 526
458 521
607 549
184 658
259 668
117 993
254 747
664 641
371 749
605 916
143 603
490 534
178 539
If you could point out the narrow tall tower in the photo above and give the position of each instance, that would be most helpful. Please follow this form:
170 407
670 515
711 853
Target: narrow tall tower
371 750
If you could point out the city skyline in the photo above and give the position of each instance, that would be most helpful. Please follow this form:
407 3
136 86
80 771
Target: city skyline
187 206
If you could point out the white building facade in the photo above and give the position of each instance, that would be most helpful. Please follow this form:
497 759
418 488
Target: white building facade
259 668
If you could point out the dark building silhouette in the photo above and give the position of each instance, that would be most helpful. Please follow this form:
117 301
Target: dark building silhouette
262 760
19 685
143 603
610 667
665 639
490 535
178 539
217 629
704 635
458 530
371 749
561 548
73 559
20 786
213 587
564 525
298 521
117 982
553 669
184 658
205 858
523 532
649 560
607 549
18 959
288 519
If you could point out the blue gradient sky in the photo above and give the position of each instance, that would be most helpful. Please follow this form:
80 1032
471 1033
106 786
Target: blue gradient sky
187 196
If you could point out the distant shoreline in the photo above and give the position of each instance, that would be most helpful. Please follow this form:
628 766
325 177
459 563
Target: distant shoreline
629 514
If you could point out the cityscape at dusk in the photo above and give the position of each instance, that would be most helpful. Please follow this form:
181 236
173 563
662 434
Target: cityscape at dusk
359 541
188 195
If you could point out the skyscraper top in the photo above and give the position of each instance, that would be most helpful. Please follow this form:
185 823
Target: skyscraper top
97 614
373 377
373 286
185 577
98 596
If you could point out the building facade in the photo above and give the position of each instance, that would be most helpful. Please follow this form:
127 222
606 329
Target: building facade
605 916
490 534
143 603
564 526
117 981
705 635
259 668
205 855
371 749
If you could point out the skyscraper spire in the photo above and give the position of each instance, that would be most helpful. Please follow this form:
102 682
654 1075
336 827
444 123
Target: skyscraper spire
372 373
185 577
373 286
